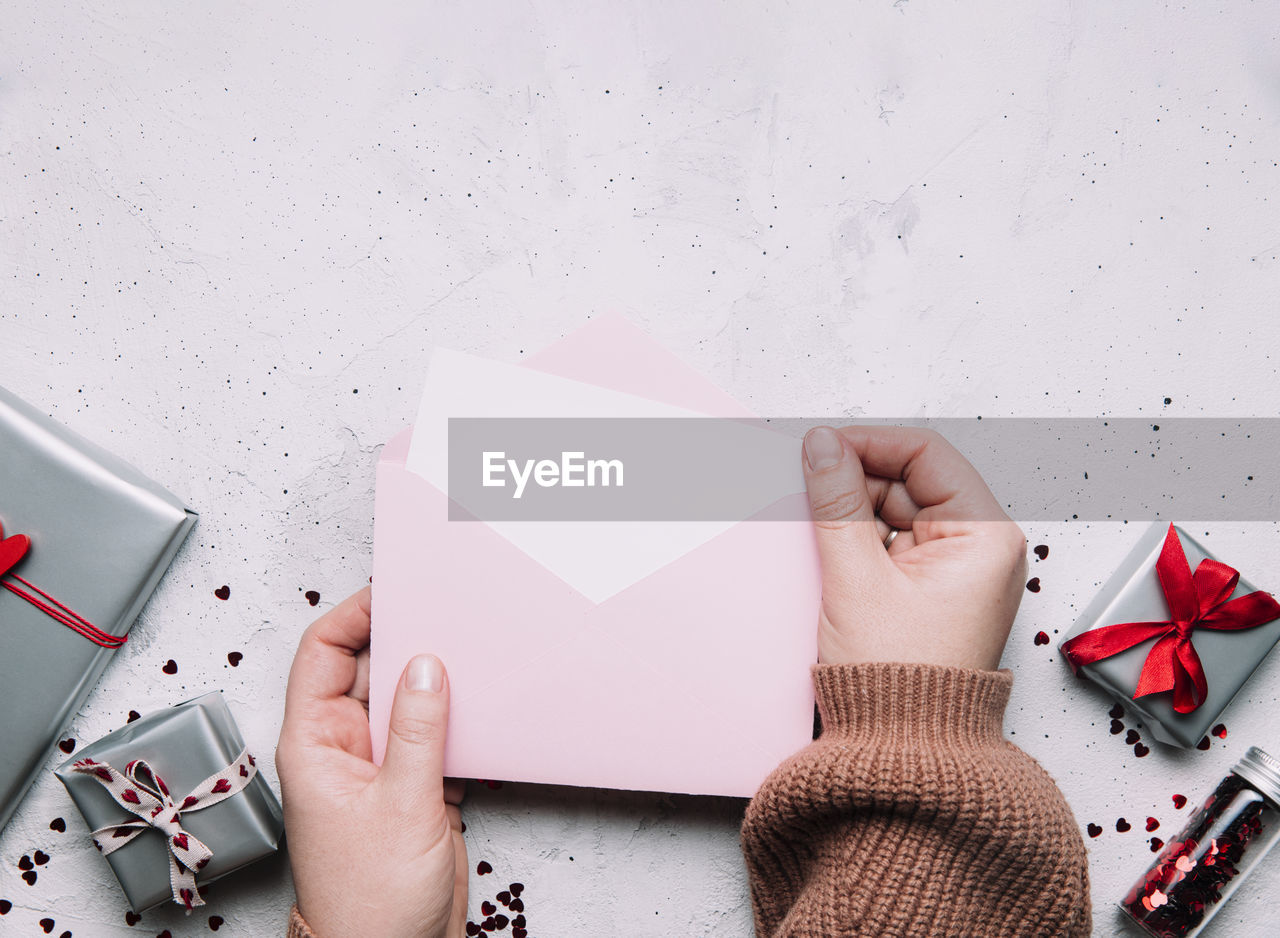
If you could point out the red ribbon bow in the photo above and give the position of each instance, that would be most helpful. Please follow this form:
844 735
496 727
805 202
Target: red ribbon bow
1196 600
12 550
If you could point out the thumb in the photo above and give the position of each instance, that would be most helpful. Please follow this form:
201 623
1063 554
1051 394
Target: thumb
414 763
844 514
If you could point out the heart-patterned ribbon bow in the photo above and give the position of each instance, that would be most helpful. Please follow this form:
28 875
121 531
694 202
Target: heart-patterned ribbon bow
1200 600
141 792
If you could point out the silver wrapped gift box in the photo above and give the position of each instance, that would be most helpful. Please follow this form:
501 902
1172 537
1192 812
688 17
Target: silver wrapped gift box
1134 594
102 535
184 745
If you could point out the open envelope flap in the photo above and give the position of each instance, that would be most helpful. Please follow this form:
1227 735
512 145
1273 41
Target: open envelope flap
635 364
596 557
696 679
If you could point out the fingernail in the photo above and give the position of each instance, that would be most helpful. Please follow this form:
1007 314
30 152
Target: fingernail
425 673
823 448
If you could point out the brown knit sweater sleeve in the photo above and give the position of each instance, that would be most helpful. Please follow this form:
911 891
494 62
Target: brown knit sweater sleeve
911 816
298 927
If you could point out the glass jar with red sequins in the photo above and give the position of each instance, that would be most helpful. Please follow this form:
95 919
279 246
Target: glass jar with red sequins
1199 870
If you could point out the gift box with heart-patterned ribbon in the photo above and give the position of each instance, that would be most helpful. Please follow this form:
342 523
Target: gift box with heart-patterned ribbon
174 800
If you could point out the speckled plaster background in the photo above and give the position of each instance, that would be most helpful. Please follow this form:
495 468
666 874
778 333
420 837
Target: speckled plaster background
231 233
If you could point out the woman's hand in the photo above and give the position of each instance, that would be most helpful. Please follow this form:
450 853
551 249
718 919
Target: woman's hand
375 851
947 589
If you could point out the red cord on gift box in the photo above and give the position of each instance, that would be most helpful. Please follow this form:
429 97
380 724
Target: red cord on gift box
13 549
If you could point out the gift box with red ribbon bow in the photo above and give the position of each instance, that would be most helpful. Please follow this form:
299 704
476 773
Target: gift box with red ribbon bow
174 800
1174 633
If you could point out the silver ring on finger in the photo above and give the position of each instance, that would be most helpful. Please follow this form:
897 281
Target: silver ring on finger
893 532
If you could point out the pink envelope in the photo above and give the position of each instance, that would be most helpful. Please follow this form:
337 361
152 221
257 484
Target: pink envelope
693 679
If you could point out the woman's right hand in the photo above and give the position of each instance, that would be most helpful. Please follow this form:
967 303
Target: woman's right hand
947 589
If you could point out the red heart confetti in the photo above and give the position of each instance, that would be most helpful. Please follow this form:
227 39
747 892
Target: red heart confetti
41 858
1140 750
67 745
504 897
1179 801
220 786
519 921
5 906
487 908
234 658
165 934
223 592
1220 731
47 925
133 715
59 825
215 922
1122 825
1203 745
170 667
313 597
1033 585
29 877
518 931
483 867
1094 830
1042 551
1116 727
25 863
132 918
1042 638
1152 824
501 921
473 929
1116 712
1156 844
517 905
516 888
1131 737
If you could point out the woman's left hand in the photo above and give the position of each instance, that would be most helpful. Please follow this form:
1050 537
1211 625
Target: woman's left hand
375 850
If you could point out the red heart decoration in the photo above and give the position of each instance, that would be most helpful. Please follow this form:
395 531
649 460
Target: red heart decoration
220 786
180 841
189 801
12 549
244 771
130 796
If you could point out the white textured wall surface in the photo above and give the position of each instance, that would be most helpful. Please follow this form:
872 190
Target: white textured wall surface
230 233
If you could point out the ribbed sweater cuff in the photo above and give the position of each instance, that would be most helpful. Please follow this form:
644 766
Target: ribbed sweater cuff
911 704
297 926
